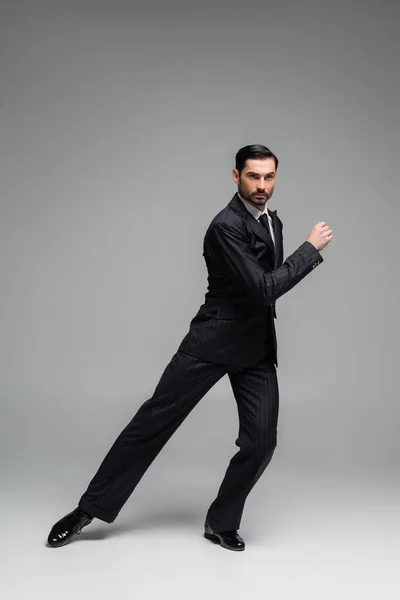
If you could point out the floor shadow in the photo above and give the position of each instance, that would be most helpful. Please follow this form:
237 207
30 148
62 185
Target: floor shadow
178 518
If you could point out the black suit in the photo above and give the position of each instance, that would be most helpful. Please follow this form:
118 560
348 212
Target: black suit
235 325
233 333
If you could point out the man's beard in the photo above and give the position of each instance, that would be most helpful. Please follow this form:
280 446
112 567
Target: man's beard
252 199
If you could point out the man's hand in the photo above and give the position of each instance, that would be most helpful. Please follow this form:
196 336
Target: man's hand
320 235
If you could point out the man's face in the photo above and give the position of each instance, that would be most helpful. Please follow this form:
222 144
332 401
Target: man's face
257 180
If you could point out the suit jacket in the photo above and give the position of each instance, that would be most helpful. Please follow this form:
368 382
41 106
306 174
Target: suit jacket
246 275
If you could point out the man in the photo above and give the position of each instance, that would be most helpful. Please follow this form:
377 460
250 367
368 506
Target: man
233 333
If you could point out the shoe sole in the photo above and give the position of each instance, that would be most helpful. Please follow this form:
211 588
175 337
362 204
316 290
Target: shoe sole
216 540
58 545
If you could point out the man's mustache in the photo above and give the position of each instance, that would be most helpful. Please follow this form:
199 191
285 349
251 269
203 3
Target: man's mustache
260 194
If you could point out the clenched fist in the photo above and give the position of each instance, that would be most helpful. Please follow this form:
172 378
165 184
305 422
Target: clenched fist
320 235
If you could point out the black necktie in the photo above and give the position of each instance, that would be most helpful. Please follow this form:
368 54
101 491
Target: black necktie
265 223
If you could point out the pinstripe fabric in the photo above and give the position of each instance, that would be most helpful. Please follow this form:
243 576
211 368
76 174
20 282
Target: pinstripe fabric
233 333
184 382
235 324
257 396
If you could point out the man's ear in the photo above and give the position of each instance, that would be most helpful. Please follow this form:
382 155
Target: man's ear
235 175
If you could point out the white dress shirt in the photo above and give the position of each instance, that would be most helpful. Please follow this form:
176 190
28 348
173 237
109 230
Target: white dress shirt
253 210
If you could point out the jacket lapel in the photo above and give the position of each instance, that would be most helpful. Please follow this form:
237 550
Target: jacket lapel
237 205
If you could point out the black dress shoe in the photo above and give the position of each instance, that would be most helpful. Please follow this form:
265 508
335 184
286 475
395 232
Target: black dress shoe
68 527
227 539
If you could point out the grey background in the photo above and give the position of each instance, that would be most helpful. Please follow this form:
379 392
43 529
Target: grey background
119 125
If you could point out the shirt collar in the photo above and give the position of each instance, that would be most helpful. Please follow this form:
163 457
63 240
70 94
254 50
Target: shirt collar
253 210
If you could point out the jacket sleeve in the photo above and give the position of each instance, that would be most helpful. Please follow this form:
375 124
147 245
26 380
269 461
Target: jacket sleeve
232 255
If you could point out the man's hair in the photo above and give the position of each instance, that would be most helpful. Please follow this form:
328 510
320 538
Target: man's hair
253 151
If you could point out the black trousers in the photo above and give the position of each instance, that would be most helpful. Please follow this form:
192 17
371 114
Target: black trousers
184 382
